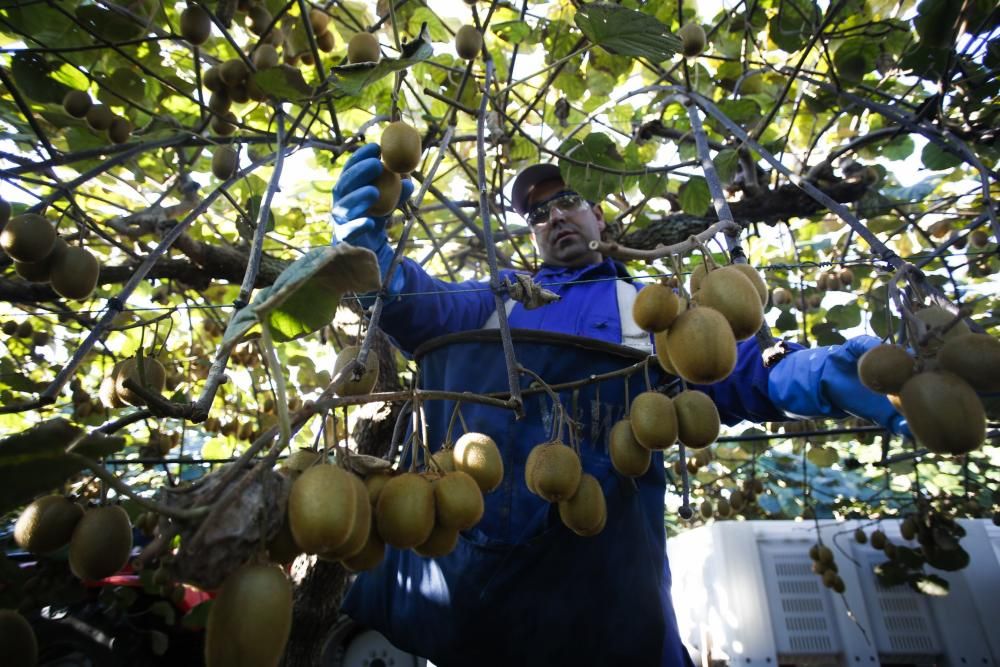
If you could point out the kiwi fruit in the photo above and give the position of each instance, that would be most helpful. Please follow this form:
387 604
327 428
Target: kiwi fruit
74 273
260 19
99 117
655 308
860 536
370 555
233 72
697 418
120 130
390 186
935 317
282 548
627 456
265 57
20 646
693 39
697 275
885 368
979 238
444 458
441 542
478 455
326 42
401 147
723 509
878 540
737 500
298 462
155 378
781 296
973 357
369 377
730 292
47 524
654 420
77 103
701 346
39 272
250 620
363 48
24 330
28 238
586 512
319 20
662 356
404 514
943 412
908 528
375 482
219 101
706 509
224 124
554 471
109 387
212 80
224 162
101 543
322 508
755 279
458 501
196 25
468 42
358 535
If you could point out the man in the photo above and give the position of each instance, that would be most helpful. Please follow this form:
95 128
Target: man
520 588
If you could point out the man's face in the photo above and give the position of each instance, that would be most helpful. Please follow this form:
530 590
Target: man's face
564 234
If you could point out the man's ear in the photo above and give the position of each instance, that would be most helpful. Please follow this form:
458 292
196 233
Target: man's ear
599 215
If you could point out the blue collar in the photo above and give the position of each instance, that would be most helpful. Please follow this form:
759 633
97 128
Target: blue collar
608 267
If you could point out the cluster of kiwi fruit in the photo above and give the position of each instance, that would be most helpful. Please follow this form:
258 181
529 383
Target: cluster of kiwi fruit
831 281
824 566
151 375
251 619
99 117
99 538
23 329
42 256
553 472
936 390
699 460
83 403
401 147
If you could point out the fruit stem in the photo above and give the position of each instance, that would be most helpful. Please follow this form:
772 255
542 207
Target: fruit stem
280 396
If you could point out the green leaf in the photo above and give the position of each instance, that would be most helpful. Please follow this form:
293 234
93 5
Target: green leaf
786 321
827 334
727 162
949 560
936 158
35 461
514 32
653 185
929 584
107 24
844 317
597 150
822 457
33 76
283 82
899 148
695 197
855 57
351 80
626 31
794 24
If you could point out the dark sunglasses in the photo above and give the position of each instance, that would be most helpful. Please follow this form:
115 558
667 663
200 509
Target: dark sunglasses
564 199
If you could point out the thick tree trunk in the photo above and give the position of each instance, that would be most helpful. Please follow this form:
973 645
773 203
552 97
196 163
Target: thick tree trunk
320 585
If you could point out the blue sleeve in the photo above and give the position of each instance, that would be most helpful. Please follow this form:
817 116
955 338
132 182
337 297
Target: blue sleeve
427 307
744 394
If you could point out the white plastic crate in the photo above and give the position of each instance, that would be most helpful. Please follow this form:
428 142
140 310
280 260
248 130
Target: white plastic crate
745 595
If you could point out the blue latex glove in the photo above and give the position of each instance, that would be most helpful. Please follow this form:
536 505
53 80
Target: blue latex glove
823 381
353 195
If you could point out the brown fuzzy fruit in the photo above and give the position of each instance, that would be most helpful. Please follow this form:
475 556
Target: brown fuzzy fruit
973 357
937 317
458 501
627 456
654 420
233 72
77 103
357 538
405 511
224 162
282 548
441 542
260 19
755 279
729 291
885 368
319 20
375 482
944 412
701 346
697 418
389 188
196 25
265 56
120 130
47 524
155 379
586 512
28 238
370 555
697 275
39 272
662 355
322 508
468 42
20 646
74 273
478 455
369 377
445 459
363 48
401 147
781 296
101 543
693 39
250 620
655 308
109 387
99 117
554 472
212 80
